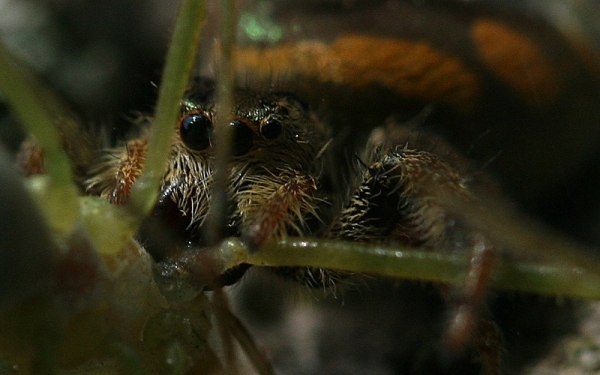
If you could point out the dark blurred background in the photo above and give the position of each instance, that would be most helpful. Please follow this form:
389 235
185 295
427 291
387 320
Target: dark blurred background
105 58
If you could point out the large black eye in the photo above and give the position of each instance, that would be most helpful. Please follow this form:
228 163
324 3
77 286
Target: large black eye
196 131
242 138
271 129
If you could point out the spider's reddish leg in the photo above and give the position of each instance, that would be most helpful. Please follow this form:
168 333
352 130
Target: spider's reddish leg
113 178
469 320
31 158
288 202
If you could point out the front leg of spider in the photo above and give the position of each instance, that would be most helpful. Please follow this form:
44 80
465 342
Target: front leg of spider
403 199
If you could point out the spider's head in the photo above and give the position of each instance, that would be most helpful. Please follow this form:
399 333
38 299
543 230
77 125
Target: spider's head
275 166
275 130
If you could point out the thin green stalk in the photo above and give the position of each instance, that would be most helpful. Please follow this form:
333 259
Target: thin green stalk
179 64
248 345
216 219
409 263
31 103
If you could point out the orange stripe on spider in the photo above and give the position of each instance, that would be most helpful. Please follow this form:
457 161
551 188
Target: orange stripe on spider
516 60
413 69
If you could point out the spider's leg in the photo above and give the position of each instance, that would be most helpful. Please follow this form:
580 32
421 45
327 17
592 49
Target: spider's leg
114 176
31 158
470 320
403 198
278 206
488 341
273 212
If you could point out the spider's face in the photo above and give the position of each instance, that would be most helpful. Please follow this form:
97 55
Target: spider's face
276 144
274 129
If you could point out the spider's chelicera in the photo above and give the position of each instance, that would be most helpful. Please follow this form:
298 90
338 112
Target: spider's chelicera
282 182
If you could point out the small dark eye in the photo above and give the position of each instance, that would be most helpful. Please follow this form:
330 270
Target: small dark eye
242 138
196 131
271 129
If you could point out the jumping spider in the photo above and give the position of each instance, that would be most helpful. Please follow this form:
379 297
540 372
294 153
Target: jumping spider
282 182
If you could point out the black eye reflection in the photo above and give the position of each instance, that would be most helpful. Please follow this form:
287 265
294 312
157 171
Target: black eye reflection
242 138
271 128
196 131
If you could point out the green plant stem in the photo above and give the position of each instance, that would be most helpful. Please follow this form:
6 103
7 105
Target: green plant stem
31 102
217 218
410 263
179 64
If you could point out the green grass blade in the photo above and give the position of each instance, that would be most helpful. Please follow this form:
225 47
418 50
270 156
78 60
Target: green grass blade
35 107
217 217
414 264
179 64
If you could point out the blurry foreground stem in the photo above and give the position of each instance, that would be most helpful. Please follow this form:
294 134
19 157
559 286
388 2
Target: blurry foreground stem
180 60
